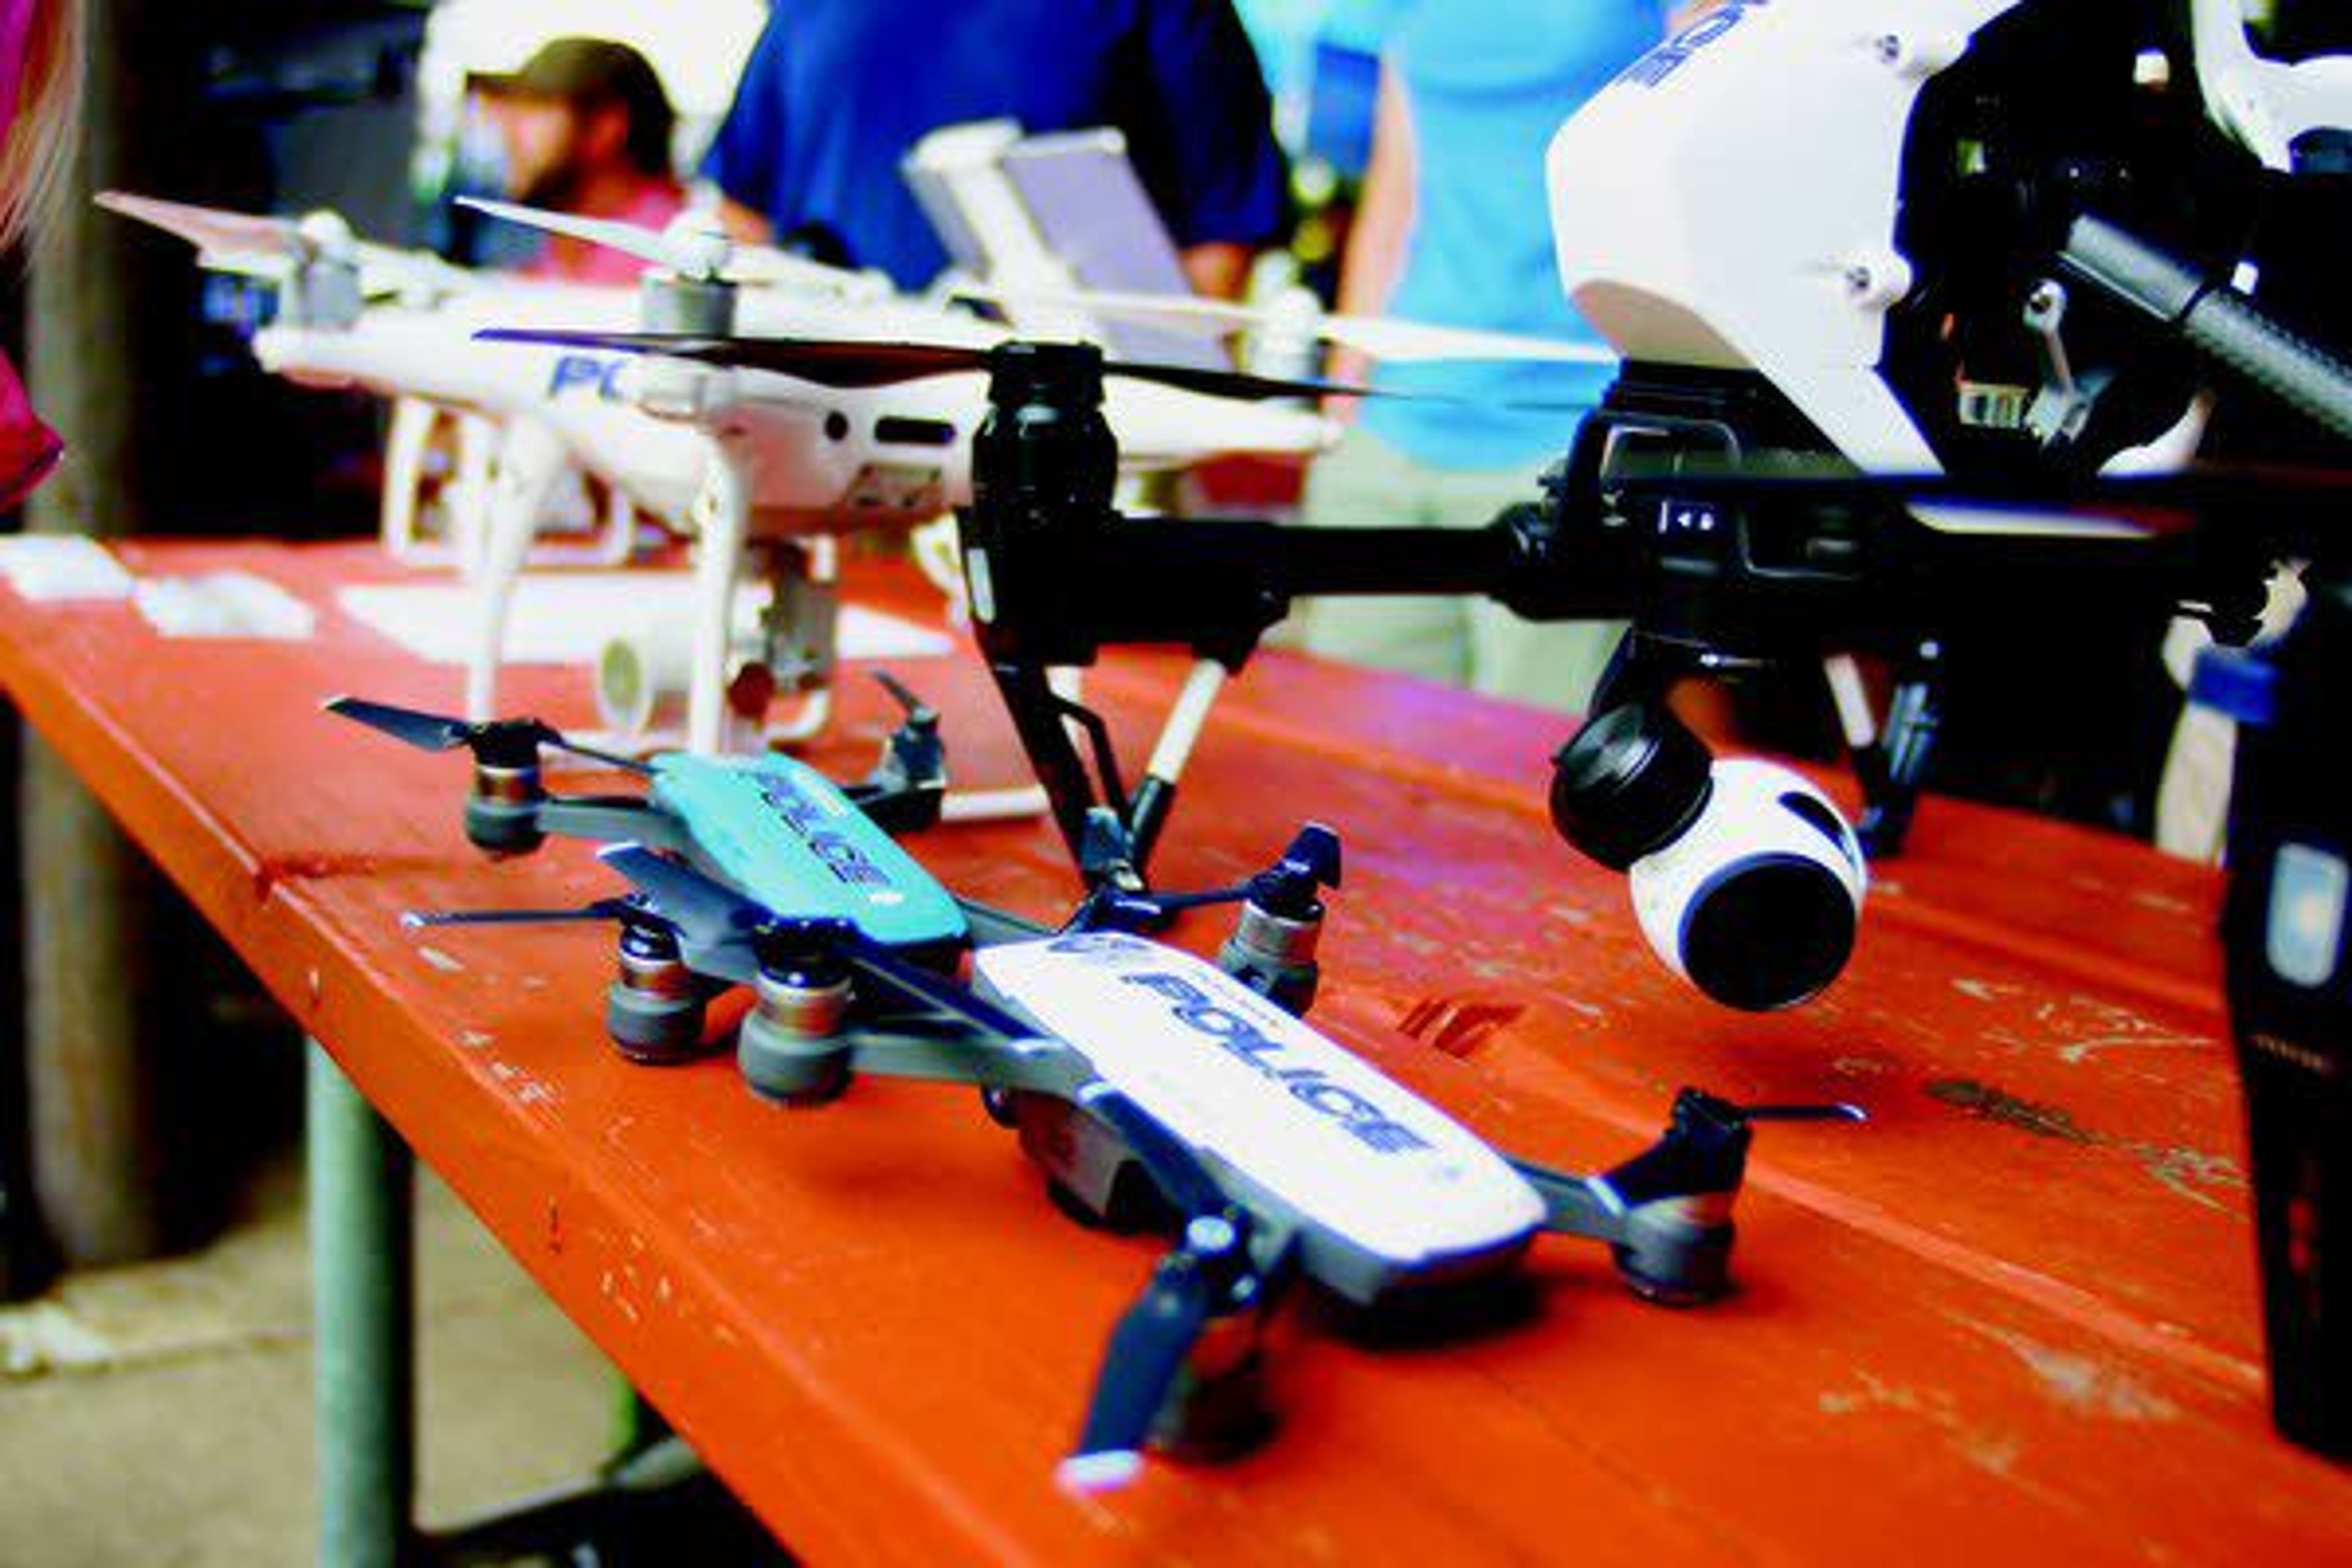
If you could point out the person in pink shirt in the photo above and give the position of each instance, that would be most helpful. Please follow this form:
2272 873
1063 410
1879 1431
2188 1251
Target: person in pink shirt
587 131
39 47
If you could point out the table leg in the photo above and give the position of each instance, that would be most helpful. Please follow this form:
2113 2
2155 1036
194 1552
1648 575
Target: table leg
362 1219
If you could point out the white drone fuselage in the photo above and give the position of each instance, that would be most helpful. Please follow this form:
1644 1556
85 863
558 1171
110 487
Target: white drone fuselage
1384 1190
805 478
871 455
1731 202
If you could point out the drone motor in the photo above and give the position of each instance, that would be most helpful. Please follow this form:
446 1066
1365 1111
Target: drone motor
655 1006
792 1049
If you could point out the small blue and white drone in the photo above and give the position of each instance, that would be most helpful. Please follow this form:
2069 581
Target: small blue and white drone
1149 1084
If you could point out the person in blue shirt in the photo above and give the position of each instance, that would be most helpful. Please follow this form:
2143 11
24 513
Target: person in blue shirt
837 92
1455 226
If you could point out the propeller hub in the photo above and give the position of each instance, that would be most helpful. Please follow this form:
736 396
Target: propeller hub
327 234
1068 375
694 245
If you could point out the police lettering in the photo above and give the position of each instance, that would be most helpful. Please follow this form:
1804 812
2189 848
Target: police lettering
576 371
807 819
1311 1086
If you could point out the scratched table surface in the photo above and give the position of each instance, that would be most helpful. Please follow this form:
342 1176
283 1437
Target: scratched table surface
2015 1312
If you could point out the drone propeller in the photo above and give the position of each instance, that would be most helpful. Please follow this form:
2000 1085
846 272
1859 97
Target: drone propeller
1834 1110
1208 1276
1705 1149
693 246
502 742
851 364
252 245
622 909
920 713
1289 887
1382 337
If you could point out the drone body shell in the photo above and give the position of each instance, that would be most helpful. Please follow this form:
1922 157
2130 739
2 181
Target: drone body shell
788 837
1384 1191
1696 224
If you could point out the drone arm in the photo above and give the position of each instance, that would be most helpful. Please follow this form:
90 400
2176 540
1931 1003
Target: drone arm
1574 1205
2222 326
1032 1066
612 820
992 926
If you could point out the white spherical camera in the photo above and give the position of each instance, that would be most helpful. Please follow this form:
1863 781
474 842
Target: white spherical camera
1746 880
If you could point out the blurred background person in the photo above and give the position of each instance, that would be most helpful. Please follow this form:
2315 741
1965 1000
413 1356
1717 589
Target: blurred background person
586 128
39 44
837 92
1455 226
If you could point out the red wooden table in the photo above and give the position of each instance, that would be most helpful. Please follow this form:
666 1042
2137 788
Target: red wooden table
2016 1313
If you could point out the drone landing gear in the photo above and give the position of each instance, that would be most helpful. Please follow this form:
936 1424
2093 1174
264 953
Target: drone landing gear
1110 832
799 637
1892 763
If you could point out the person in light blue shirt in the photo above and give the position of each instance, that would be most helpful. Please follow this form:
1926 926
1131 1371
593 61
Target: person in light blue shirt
1455 228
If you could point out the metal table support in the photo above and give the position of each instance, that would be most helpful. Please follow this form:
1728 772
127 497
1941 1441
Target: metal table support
361 1218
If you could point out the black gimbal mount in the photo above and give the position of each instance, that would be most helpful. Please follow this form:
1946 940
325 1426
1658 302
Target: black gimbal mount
1655 517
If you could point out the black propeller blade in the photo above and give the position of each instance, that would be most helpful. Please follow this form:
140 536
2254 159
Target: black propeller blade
1705 1149
1287 888
1207 1276
1836 1111
1211 1274
920 713
507 743
914 754
851 364
601 910
1145 1357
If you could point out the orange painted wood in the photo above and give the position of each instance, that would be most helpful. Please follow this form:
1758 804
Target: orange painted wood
2015 1314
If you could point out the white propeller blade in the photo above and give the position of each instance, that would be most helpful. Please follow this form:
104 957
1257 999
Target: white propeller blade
692 247
255 246
1382 337
237 242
